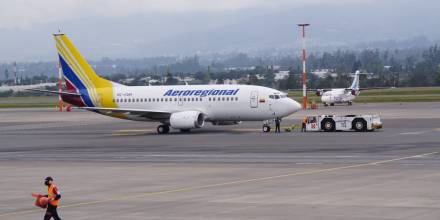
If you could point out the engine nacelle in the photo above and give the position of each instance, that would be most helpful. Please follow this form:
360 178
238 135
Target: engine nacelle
319 92
353 92
187 120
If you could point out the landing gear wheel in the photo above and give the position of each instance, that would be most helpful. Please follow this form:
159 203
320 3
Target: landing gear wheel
163 129
325 104
266 128
350 103
332 104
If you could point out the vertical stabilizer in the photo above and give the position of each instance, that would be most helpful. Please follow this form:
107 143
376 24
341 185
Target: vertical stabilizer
79 75
355 83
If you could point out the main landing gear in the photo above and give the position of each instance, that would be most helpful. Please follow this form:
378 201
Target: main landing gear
350 103
163 129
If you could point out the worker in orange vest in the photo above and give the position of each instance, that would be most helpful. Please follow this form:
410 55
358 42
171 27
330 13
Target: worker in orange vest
54 196
304 123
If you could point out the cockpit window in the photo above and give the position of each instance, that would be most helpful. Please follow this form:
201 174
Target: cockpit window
271 96
277 97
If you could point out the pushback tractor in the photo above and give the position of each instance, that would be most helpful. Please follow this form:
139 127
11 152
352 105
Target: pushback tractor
330 123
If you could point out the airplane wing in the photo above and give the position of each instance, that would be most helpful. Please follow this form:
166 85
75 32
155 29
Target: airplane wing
54 92
371 88
149 114
310 90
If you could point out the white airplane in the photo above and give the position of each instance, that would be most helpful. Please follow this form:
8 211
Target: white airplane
180 107
345 95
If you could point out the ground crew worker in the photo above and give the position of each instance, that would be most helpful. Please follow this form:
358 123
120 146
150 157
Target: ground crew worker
277 124
54 196
304 123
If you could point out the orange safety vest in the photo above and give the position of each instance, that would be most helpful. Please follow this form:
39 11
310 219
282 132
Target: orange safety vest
305 120
51 194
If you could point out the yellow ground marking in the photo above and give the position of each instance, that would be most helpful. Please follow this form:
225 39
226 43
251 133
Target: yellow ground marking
7 168
237 182
131 132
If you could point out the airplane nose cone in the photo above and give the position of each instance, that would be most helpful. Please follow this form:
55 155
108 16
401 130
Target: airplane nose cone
294 106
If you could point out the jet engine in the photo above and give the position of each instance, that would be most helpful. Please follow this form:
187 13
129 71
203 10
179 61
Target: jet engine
353 92
187 120
319 92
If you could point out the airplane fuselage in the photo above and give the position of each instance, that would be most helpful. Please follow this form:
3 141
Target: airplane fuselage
338 96
216 102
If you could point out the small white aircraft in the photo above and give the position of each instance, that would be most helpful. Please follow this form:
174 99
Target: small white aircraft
345 95
180 107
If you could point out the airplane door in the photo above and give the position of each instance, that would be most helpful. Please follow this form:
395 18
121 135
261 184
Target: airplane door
254 99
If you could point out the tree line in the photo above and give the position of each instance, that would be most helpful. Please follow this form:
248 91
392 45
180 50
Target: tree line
399 68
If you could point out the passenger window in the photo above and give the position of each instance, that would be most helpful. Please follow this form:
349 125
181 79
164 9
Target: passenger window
236 98
175 99
201 99
166 99
192 99
184 99
223 98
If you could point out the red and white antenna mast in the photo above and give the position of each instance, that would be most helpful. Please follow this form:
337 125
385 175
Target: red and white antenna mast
304 58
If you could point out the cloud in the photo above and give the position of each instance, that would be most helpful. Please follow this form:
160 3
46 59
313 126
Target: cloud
24 14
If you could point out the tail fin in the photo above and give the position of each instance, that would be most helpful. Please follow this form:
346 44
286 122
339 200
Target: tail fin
355 83
79 75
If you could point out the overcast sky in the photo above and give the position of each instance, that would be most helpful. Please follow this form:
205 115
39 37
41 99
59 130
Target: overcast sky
138 28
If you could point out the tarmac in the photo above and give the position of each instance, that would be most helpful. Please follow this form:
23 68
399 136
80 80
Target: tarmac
114 169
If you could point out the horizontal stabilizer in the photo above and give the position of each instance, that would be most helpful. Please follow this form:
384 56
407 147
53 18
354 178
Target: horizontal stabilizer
54 92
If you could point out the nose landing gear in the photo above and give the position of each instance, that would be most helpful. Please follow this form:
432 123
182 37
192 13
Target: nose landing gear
266 127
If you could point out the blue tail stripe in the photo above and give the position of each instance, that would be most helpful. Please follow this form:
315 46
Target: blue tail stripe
72 77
